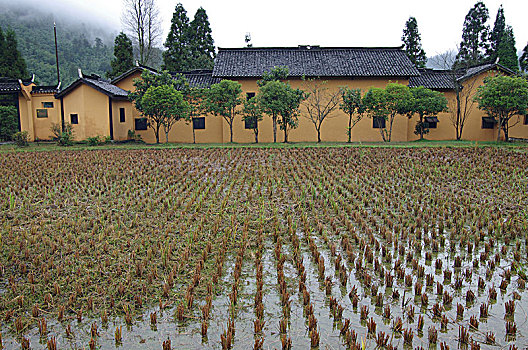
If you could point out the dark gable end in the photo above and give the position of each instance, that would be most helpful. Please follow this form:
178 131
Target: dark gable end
314 61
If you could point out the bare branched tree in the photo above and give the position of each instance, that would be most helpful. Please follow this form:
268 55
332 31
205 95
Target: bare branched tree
141 20
320 102
460 108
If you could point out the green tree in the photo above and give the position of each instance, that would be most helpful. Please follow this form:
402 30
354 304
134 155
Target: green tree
12 63
412 43
223 99
147 81
8 122
163 106
506 52
426 103
387 103
320 102
352 105
276 74
178 43
252 115
502 98
195 98
123 56
523 61
475 42
201 41
496 34
272 93
291 101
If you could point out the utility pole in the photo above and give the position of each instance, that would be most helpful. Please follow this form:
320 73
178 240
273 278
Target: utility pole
56 53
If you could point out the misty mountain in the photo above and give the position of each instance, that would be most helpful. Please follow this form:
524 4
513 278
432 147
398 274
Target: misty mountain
80 45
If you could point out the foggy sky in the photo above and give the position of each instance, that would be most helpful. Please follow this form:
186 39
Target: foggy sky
325 23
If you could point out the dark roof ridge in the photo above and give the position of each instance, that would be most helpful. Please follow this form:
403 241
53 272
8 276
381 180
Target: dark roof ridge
313 47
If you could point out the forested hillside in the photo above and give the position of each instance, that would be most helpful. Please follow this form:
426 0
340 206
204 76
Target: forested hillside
80 45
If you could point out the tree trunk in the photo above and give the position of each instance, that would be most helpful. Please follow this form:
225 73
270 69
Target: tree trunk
422 126
349 128
256 134
285 135
458 123
274 118
319 134
166 137
231 131
390 128
156 132
499 129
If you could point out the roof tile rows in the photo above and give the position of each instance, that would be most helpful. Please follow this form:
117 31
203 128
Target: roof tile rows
433 79
199 78
314 61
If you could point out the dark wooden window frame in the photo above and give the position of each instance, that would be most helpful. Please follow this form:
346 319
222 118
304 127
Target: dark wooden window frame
379 123
140 124
74 118
198 123
122 118
42 113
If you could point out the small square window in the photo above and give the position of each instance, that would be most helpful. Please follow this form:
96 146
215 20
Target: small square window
431 122
250 123
42 113
250 95
488 123
47 104
121 115
378 123
140 124
74 118
199 123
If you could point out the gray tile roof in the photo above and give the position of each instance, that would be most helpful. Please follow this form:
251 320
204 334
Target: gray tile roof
97 83
433 79
201 78
314 61
441 79
106 87
8 85
44 89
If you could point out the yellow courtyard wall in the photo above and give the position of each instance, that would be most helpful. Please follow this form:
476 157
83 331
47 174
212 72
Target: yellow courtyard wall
25 110
333 128
181 132
26 119
128 82
517 128
92 109
43 125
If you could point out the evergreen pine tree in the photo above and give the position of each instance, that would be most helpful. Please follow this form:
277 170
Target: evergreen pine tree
123 55
496 35
506 51
523 61
14 64
413 43
201 41
3 63
176 58
475 42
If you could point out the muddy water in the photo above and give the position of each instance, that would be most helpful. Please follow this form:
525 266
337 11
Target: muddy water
186 335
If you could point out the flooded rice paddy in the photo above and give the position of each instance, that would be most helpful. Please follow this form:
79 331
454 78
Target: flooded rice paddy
264 248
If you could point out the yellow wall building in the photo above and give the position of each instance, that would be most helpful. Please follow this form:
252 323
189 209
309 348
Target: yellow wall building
96 107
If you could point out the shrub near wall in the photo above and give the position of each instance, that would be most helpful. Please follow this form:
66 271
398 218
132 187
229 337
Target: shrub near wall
8 122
